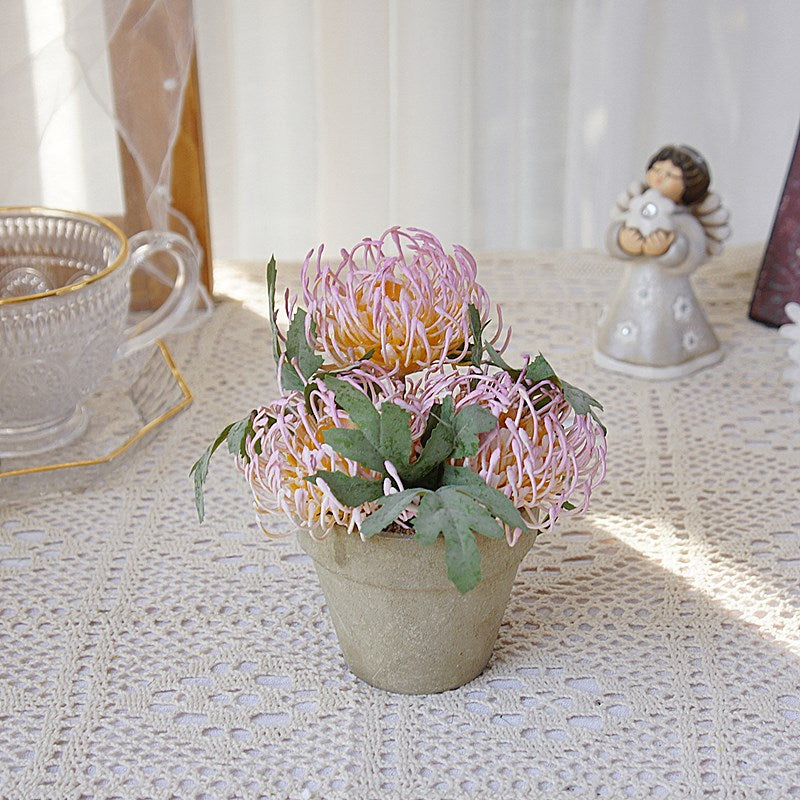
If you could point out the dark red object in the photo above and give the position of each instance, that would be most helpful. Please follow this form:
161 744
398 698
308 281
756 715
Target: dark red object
779 277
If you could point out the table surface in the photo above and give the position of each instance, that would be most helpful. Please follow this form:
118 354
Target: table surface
650 648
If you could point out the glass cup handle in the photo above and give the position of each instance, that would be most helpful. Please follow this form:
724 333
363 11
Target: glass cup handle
181 298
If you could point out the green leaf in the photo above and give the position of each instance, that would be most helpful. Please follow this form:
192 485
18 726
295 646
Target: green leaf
200 467
496 359
467 424
237 436
353 444
392 506
450 507
351 490
448 410
436 450
539 370
472 484
455 516
272 275
307 390
580 401
460 476
434 417
290 380
476 352
298 350
358 407
439 445
471 511
463 559
431 519
599 422
395 435
496 503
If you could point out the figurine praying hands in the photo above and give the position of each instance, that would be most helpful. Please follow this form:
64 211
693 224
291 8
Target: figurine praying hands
665 229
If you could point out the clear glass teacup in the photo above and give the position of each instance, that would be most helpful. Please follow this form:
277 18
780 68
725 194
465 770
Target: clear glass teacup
64 303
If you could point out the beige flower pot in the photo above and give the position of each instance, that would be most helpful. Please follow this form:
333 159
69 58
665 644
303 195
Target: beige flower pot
402 625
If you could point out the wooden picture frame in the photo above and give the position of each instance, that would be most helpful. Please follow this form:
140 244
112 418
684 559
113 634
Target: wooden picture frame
188 177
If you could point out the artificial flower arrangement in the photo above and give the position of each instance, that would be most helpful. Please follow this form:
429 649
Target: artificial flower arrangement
397 411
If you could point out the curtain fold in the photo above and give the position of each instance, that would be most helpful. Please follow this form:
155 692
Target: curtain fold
507 124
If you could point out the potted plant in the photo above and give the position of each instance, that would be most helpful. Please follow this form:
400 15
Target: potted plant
417 465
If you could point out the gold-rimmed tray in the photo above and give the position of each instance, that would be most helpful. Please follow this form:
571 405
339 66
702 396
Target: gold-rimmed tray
144 391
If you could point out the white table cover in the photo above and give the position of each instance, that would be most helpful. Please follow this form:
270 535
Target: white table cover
650 649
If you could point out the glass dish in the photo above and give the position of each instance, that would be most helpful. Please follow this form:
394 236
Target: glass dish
143 392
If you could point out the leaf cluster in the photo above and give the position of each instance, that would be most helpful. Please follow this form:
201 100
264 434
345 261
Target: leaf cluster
453 501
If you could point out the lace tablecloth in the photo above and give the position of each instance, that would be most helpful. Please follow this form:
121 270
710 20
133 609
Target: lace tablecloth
650 649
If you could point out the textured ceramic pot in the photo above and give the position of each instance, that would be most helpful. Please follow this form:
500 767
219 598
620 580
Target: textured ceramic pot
401 623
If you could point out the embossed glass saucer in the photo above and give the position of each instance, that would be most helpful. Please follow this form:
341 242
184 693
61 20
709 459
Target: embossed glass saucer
143 391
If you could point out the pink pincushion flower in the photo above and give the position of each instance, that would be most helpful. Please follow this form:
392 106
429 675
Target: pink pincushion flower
401 297
288 445
545 458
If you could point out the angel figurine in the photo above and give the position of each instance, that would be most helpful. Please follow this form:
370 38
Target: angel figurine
665 229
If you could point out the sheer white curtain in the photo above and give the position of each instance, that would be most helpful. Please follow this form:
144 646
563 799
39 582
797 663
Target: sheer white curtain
496 123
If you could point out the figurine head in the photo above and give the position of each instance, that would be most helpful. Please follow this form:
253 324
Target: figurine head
680 173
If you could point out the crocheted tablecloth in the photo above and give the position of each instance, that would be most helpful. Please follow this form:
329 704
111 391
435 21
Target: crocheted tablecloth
650 649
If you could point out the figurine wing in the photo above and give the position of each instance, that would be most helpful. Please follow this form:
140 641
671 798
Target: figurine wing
714 218
623 202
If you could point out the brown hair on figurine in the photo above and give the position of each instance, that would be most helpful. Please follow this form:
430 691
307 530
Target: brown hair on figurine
695 171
